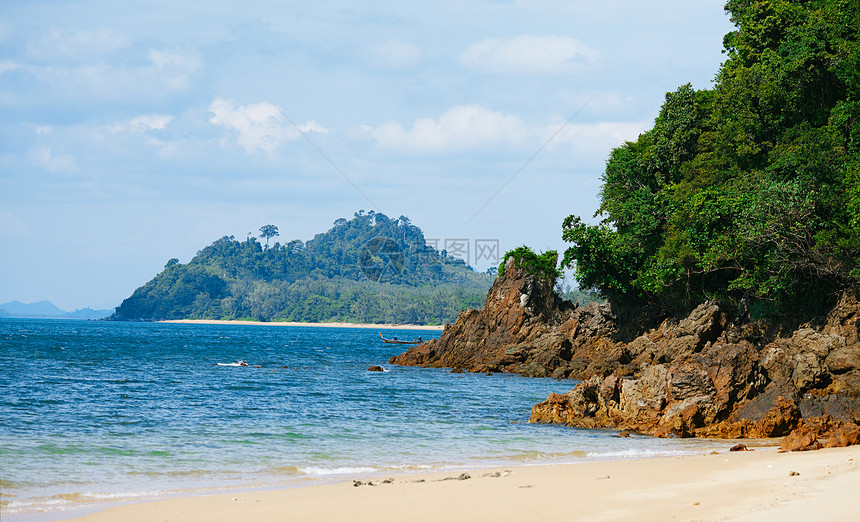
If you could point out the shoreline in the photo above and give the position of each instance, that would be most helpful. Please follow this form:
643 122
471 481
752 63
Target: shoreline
754 485
369 326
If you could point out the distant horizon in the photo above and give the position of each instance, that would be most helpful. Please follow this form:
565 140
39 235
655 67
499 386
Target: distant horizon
48 301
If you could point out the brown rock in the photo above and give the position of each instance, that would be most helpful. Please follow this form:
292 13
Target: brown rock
554 410
711 373
376 369
739 447
742 429
844 359
781 419
516 331
803 438
847 435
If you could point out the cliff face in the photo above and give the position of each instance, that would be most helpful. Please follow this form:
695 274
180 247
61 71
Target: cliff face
711 373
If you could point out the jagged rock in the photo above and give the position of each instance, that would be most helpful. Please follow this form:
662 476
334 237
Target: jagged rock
711 373
803 438
376 369
846 435
519 330
711 388
844 359
780 420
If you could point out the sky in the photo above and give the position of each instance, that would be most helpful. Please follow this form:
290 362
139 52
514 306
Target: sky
138 131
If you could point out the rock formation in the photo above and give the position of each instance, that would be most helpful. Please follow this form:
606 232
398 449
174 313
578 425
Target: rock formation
713 373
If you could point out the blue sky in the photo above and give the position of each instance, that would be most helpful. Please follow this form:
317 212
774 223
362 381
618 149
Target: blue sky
137 131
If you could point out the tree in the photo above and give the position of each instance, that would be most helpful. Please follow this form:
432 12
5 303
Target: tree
268 231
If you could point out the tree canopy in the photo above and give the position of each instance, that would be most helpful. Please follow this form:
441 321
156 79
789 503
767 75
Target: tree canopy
746 191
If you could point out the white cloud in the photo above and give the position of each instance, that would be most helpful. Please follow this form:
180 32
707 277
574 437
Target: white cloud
591 138
394 54
5 32
77 44
8 65
459 128
12 224
312 126
176 67
142 123
260 126
43 157
151 121
472 127
528 54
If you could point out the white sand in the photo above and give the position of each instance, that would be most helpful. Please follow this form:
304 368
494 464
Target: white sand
748 486
328 325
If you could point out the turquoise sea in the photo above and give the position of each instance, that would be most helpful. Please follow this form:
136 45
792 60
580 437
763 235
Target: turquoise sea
93 413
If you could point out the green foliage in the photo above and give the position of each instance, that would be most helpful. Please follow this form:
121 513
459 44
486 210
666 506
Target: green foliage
748 190
542 266
268 231
340 275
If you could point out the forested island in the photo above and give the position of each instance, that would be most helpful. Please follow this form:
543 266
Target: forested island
369 269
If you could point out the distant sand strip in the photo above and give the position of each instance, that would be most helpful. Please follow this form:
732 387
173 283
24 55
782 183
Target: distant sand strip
748 486
326 325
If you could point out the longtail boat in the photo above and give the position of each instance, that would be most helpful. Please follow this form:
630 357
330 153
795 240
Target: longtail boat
399 341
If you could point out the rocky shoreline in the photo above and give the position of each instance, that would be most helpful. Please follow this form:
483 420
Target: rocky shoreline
713 373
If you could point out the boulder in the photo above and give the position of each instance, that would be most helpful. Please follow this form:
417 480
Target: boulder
803 438
780 420
846 435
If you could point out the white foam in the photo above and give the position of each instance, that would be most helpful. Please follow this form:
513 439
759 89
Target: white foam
313 470
635 453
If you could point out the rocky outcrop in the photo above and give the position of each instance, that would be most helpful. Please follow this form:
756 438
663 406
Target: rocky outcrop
710 377
713 373
521 329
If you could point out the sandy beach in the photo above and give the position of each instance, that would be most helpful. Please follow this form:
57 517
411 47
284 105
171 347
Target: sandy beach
327 325
754 485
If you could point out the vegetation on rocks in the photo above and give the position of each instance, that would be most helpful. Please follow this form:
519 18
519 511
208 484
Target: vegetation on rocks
543 266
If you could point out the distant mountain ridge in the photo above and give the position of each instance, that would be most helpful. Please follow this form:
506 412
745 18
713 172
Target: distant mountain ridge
47 310
369 269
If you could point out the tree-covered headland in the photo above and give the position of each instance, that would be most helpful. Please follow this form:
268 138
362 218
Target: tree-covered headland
748 192
370 269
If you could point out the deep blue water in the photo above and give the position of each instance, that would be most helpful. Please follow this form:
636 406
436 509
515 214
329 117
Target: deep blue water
98 411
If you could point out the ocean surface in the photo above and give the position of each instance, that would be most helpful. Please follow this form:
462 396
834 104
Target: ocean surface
93 413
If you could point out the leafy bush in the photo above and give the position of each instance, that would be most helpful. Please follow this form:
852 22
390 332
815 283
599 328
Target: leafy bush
542 266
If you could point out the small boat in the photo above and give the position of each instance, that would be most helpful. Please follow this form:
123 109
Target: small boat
399 341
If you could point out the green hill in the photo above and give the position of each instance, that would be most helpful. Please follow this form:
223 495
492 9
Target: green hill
370 269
